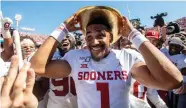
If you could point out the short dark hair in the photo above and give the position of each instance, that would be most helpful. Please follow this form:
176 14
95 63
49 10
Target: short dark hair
100 20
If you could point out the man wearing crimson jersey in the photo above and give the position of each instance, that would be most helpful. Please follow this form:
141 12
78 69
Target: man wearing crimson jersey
102 75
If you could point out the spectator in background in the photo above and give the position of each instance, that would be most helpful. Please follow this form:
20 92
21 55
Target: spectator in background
154 37
28 47
177 46
174 53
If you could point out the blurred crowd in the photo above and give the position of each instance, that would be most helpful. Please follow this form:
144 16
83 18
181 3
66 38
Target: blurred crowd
169 39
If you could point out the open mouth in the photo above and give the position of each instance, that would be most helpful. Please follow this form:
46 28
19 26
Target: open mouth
65 44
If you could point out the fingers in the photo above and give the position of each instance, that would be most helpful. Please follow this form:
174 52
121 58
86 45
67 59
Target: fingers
75 19
1 84
20 82
10 78
30 81
125 21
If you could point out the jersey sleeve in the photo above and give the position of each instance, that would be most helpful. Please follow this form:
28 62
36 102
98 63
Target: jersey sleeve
70 58
138 57
131 57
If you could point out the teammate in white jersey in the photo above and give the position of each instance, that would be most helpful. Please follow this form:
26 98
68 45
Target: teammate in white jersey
138 90
62 93
102 76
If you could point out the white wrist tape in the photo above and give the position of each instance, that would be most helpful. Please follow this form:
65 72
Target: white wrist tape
60 33
6 24
137 38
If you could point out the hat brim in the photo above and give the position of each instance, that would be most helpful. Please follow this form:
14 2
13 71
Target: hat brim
84 15
152 37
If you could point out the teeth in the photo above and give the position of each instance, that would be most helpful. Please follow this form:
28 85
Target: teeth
96 48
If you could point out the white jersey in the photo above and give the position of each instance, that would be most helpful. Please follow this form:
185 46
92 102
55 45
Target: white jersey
141 92
62 92
103 84
179 60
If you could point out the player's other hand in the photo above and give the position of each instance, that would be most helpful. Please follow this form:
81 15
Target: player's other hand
71 22
126 27
6 23
16 88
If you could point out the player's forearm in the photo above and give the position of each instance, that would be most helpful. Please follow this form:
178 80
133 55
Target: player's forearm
43 55
8 49
161 69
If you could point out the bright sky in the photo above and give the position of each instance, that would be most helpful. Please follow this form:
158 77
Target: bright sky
45 16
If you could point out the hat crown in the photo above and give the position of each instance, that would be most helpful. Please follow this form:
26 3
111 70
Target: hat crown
86 14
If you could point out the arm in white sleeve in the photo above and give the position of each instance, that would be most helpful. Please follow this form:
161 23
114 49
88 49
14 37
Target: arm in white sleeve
153 96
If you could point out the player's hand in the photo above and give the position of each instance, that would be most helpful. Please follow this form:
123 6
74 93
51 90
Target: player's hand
126 27
71 22
6 24
16 88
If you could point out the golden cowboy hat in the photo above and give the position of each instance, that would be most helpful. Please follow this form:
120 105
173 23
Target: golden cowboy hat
113 16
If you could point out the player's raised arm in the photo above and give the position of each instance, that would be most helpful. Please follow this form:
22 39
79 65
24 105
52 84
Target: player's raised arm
8 41
41 61
158 72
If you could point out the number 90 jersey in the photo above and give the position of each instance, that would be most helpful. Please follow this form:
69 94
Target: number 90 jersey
62 93
103 84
